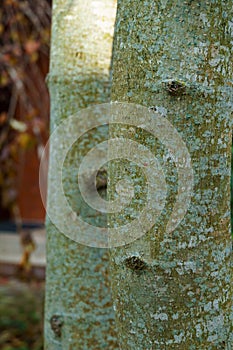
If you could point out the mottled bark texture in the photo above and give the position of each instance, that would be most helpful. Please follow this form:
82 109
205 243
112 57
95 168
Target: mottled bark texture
174 290
79 313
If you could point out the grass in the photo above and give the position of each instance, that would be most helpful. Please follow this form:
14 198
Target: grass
21 315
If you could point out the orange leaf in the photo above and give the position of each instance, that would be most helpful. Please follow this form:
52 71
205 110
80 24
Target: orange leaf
31 46
3 118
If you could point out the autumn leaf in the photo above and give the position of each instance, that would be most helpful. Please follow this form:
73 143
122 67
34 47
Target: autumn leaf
31 46
4 79
3 118
25 140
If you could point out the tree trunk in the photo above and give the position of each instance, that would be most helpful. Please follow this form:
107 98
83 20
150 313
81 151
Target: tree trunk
79 313
172 288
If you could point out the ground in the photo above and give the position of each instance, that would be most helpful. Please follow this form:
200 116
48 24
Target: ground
21 315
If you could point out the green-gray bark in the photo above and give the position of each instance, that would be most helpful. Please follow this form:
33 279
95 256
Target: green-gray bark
79 313
174 290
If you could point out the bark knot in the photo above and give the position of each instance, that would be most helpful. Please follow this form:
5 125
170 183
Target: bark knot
56 323
135 263
175 87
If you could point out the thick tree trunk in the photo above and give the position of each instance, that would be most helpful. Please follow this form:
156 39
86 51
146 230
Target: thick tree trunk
79 312
173 289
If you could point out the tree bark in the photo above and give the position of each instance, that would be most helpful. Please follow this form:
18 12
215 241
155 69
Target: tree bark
79 313
173 289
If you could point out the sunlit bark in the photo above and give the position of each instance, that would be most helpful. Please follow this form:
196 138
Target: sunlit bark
79 312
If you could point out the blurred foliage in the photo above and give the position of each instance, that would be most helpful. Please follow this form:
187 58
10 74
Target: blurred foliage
24 100
21 321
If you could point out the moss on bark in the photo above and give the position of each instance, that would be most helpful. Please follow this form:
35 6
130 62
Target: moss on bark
176 57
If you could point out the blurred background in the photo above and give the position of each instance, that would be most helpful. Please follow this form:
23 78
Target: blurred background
24 128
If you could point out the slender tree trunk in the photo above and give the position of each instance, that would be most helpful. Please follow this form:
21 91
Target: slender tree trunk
173 289
79 312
